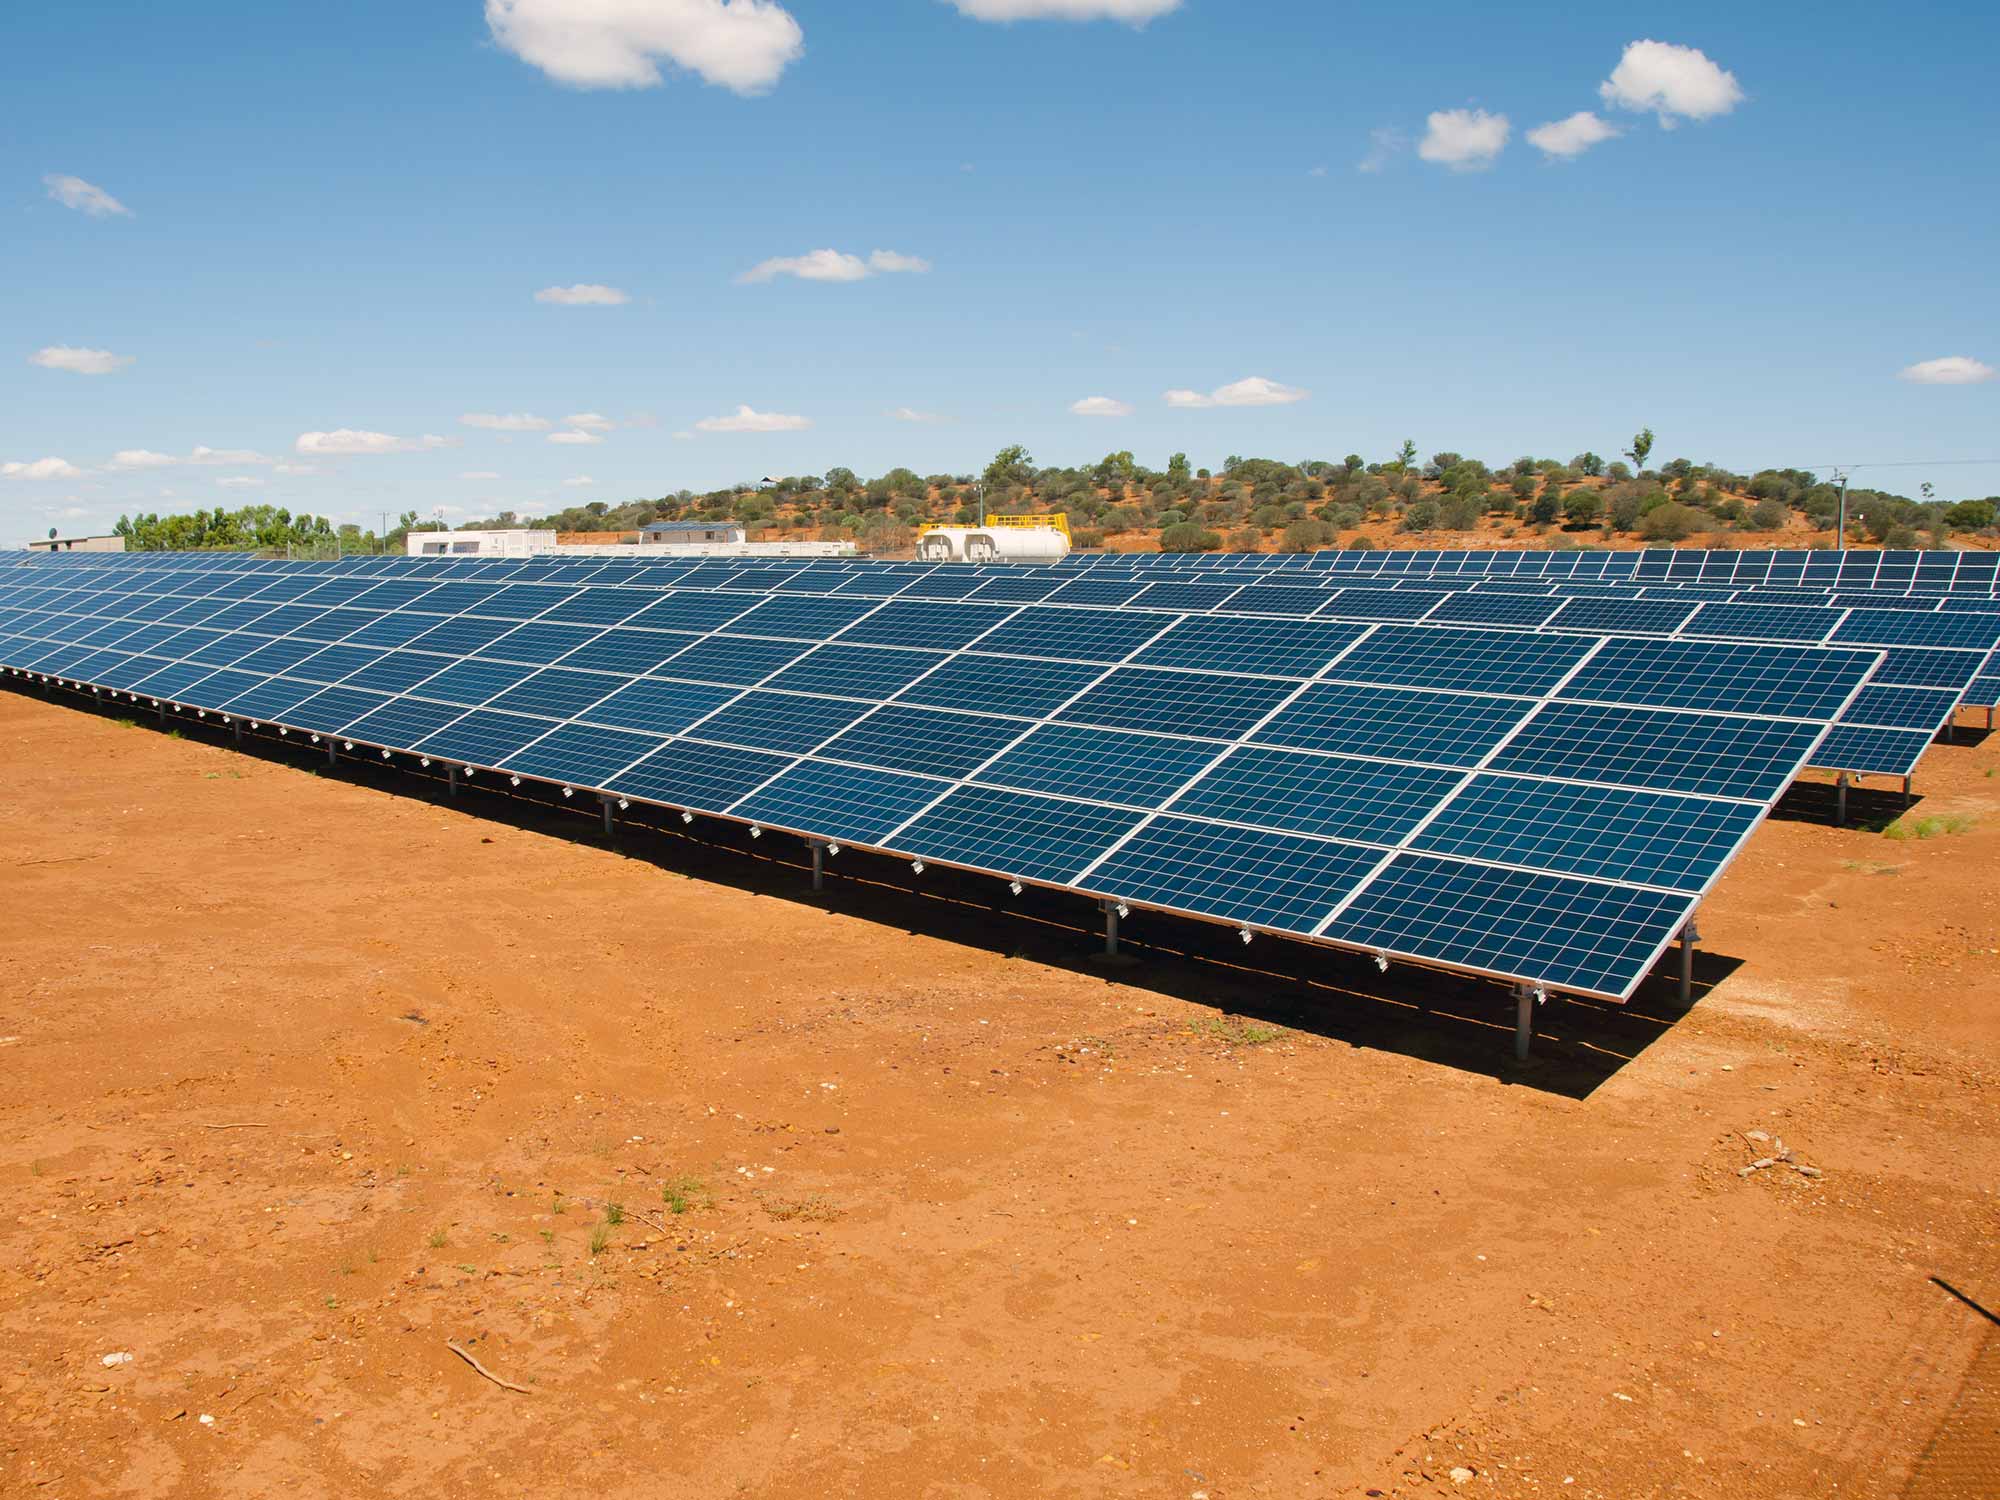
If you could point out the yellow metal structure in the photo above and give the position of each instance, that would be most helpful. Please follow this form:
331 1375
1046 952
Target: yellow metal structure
1055 521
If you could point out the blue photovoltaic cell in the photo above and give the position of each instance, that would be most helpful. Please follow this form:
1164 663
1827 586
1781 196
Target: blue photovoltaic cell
451 598
988 684
1273 880
800 619
923 739
396 672
1381 604
779 721
1773 681
335 663
1570 933
659 707
1105 765
217 688
473 682
599 607
1872 752
692 611
392 630
628 651
1643 838
1074 635
337 623
1015 834
458 637
536 644
1278 648
1901 708
276 656
1096 591
1643 616
331 710
1911 666
847 804
943 586
1882 627
521 601
1491 661
483 738
702 778
403 721
1014 590
556 693
925 622
1494 609
168 681
1277 599
581 754
1368 801
1762 622
1194 598
731 659
1711 754
876 672
1193 703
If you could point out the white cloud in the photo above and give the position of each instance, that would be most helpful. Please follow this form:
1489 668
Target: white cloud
744 419
80 361
127 459
84 197
1466 140
1953 369
1255 391
240 482
579 482
1100 406
1316 171
1383 145
1132 12
583 294
833 265
589 421
911 414
575 439
298 471
514 421
1673 82
1572 137
742 45
349 441
41 468
479 474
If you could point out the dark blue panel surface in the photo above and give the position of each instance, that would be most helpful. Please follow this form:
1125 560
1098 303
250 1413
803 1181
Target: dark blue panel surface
731 659
701 778
846 804
923 739
1274 648
1770 681
1367 801
1193 703
581 754
1715 755
1074 635
473 682
628 651
986 684
1489 661
1014 834
660 707
1264 879
557 693
856 671
779 721
1101 765
1872 752
923 622
1570 933
402 722
483 738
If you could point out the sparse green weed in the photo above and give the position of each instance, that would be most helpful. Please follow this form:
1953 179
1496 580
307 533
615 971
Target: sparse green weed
614 1213
599 1238
1938 825
1235 1031
438 1240
681 1194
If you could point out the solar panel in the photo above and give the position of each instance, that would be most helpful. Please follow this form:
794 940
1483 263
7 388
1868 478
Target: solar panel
1310 776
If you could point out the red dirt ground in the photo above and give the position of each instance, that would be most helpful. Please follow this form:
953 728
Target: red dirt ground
970 1224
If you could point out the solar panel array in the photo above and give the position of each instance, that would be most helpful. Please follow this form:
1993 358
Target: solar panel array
1539 804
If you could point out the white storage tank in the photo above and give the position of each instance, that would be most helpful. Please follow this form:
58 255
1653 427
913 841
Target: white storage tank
979 544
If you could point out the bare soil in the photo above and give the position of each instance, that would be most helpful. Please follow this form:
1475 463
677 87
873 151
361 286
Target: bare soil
306 1076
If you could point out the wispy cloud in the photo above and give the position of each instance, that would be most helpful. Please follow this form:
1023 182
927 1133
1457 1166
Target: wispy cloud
84 197
578 482
740 45
352 442
201 456
1255 391
745 419
1100 406
1384 146
1570 138
41 468
583 294
834 265
1675 83
911 414
513 421
575 439
589 421
1953 369
80 361
1132 12
1466 140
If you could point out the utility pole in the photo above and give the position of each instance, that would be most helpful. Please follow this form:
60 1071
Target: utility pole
1841 543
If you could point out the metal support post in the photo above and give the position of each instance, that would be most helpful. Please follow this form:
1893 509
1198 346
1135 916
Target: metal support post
1111 929
607 804
819 863
332 753
237 725
1840 799
451 780
1906 791
1689 937
1524 1020
160 708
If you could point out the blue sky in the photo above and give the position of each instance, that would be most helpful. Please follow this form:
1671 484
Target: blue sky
336 221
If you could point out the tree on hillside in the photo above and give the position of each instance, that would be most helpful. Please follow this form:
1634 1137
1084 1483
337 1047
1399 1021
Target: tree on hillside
1011 466
1405 456
1177 468
1642 445
1588 464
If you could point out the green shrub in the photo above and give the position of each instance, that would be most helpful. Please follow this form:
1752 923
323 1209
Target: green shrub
1186 536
